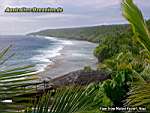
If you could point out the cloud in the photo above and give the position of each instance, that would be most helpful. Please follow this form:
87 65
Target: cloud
76 13
90 3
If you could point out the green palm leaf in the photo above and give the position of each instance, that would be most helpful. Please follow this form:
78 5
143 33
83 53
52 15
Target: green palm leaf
140 94
68 100
134 16
12 84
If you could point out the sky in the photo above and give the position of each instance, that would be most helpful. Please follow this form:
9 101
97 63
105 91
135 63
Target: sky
77 13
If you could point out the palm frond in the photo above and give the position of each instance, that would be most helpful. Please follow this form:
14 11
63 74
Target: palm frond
134 16
68 100
12 84
139 96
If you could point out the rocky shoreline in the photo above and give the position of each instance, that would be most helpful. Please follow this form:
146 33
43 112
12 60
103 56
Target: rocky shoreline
79 77
75 78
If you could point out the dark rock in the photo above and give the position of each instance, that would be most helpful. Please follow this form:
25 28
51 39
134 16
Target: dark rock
79 77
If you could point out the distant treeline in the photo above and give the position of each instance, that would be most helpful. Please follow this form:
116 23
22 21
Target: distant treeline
92 34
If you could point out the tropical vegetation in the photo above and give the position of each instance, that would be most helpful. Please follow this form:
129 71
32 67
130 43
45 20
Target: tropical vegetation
124 56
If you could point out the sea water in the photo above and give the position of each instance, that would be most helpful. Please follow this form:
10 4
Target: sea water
40 51
31 50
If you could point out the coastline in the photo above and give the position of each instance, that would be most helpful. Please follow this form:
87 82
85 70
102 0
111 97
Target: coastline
70 60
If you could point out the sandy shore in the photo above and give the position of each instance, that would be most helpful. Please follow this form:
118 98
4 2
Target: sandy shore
73 57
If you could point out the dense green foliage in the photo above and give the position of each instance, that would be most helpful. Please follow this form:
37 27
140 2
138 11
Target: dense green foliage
139 95
93 34
129 65
112 45
125 56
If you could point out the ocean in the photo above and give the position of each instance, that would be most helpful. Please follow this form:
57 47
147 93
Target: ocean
41 51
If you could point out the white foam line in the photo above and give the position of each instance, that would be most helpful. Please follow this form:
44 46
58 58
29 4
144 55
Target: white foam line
46 55
65 42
